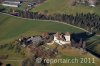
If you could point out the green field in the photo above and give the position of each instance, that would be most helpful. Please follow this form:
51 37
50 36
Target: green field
59 6
12 27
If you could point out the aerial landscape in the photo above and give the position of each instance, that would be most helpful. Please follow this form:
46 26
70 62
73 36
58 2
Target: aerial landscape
49 32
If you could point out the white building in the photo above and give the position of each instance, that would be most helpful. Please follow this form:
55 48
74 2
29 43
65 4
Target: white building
11 3
61 39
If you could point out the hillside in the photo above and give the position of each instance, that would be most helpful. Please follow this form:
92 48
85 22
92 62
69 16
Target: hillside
12 27
59 6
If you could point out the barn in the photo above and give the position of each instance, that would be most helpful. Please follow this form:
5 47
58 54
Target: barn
11 3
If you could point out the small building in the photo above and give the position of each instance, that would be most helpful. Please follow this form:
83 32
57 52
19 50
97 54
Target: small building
11 3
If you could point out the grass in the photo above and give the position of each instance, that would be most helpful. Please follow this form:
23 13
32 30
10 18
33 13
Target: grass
59 6
14 63
75 63
69 53
12 27
12 55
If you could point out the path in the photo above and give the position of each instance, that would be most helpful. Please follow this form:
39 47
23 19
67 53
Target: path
49 20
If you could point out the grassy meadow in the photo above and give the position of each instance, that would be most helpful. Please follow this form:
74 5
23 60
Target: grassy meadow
12 27
63 6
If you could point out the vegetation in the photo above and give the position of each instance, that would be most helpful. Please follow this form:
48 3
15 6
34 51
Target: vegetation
73 64
88 21
13 58
94 44
16 27
62 7
13 28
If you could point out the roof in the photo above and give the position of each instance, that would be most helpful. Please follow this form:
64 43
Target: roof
62 38
11 3
67 33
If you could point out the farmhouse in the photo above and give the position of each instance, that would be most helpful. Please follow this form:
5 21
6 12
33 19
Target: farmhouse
11 3
36 40
48 38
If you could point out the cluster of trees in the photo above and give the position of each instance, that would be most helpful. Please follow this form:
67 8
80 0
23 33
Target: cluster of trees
16 47
2 9
32 62
7 46
41 53
87 21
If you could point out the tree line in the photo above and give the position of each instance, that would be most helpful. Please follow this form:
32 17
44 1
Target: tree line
89 21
